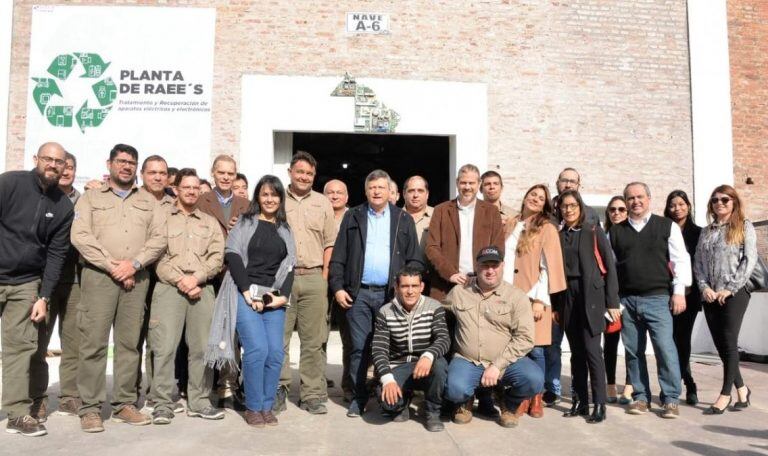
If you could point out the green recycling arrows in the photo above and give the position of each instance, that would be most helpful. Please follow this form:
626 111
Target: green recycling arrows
60 68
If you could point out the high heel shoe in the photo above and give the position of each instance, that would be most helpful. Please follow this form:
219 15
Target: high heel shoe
712 410
742 405
598 414
577 409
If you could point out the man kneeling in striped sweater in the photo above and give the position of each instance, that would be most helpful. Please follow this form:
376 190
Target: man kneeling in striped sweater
410 341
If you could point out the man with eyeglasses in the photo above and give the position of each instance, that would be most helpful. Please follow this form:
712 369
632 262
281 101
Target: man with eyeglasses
62 307
35 218
119 231
570 179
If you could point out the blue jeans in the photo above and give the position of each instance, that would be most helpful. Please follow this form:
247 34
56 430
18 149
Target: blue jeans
553 361
537 356
523 377
361 318
261 335
651 314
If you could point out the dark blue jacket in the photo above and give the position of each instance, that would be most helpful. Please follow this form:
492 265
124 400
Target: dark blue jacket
346 267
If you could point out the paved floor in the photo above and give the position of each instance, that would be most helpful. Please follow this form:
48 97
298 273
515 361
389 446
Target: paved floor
741 433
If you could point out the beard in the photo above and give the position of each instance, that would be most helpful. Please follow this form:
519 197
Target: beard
120 181
48 181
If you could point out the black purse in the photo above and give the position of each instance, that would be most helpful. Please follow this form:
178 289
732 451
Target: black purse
758 281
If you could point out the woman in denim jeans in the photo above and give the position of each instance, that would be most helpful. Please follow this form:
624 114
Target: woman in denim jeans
263 277
725 257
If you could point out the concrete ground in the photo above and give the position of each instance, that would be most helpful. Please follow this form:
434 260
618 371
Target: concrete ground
741 433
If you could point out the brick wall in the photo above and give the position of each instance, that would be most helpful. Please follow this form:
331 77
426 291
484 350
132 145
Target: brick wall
601 86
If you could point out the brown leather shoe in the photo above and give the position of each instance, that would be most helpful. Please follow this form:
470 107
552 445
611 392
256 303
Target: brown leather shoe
522 409
255 419
463 413
269 418
130 415
91 422
69 406
508 418
39 410
537 406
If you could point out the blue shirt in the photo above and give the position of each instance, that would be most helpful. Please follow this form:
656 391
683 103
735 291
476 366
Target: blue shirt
376 262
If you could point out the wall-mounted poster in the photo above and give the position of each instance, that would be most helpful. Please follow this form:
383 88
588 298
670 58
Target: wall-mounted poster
135 75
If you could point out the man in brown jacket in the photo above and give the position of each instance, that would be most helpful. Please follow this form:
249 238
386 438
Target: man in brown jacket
458 230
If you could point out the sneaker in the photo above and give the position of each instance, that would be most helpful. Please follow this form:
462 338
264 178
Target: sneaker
550 399
91 422
280 398
463 413
162 416
177 407
354 410
637 408
671 411
208 413
69 406
313 406
403 416
25 425
508 418
39 410
269 418
128 414
433 423
254 419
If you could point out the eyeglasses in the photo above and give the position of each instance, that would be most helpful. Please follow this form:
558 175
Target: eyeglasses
122 162
723 200
563 180
49 160
617 209
569 207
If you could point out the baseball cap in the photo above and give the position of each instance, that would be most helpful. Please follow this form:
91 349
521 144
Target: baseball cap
490 253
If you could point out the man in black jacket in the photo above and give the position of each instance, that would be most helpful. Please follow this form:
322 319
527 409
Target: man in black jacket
35 219
376 239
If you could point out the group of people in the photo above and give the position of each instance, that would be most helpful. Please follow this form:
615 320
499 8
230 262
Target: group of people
466 301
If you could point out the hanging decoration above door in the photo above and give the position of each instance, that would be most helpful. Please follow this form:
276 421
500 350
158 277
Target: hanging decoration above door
371 115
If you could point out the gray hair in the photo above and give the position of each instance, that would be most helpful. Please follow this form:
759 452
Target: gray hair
636 183
377 174
469 168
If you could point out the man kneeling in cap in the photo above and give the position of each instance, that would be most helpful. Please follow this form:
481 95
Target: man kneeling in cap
494 332
410 341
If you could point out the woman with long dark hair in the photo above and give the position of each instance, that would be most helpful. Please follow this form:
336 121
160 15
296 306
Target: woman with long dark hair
725 257
615 212
533 252
592 288
260 254
678 209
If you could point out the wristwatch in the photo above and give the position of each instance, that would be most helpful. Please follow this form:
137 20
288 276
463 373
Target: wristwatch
44 298
136 265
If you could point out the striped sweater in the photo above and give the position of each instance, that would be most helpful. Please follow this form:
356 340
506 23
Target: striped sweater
402 337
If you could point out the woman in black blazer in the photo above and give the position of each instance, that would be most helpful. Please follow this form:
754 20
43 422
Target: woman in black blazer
582 306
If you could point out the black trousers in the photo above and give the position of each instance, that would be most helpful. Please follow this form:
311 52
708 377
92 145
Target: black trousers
682 330
586 353
724 323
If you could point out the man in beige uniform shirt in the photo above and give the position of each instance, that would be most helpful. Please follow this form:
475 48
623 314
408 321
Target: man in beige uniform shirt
310 217
184 294
491 187
119 231
494 332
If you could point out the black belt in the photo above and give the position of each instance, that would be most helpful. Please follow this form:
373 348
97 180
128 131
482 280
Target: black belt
373 287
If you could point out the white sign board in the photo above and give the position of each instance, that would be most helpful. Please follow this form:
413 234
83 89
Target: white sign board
141 76
371 23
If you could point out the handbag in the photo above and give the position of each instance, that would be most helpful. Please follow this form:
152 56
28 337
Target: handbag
598 257
612 326
758 280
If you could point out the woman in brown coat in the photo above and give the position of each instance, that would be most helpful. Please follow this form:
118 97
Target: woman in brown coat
533 246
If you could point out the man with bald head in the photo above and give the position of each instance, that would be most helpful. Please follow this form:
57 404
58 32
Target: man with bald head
35 219
336 192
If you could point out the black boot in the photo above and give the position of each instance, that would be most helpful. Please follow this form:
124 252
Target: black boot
598 414
691 398
578 408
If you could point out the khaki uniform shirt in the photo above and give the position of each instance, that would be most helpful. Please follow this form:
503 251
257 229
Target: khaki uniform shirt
313 226
107 227
493 329
195 246
422 227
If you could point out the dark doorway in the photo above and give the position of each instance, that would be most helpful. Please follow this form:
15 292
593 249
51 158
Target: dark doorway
350 157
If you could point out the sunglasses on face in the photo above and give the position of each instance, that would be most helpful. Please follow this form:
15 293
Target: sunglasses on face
613 210
722 200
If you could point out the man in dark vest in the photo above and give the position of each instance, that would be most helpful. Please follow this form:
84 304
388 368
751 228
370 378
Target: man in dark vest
654 268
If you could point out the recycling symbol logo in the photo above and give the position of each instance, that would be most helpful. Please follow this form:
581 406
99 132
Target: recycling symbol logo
63 115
